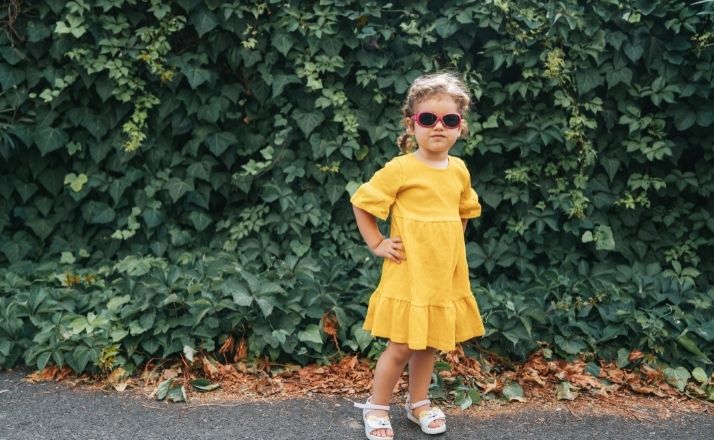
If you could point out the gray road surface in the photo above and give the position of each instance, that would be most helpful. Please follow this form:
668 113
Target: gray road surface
55 411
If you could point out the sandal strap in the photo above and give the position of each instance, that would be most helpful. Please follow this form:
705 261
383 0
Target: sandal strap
370 405
420 403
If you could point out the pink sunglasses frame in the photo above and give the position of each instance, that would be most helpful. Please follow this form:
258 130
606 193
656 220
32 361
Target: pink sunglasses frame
439 118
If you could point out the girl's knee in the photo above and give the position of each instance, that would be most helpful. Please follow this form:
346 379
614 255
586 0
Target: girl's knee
400 351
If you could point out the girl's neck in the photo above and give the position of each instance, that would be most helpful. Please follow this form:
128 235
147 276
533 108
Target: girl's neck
435 160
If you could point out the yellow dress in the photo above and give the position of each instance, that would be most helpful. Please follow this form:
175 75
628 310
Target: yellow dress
425 301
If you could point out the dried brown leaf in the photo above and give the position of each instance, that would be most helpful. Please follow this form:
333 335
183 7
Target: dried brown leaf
635 355
210 370
242 351
227 347
51 373
584 381
491 387
116 376
643 389
533 376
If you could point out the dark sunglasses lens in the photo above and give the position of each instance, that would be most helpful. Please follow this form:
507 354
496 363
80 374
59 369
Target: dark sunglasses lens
427 119
453 120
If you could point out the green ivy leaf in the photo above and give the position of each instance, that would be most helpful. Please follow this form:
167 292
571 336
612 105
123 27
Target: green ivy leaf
513 391
705 118
42 227
266 305
98 212
37 31
177 188
42 360
10 77
12 55
691 346
199 170
196 76
706 330
242 297
307 121
605 240
67 258
49 139
363 337
76 182
570 346
311 334
280 81
84 354
204 385
615 77
189 352
684 118
588 79
163 389
446 27
219 142
153 217
15 250
26 190
700 375
633 51
587 237
623 357
677 377
117 302
283 42
188 5
200 220
204 21
462 399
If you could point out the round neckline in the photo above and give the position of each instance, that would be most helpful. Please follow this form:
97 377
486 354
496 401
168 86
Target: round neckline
448 165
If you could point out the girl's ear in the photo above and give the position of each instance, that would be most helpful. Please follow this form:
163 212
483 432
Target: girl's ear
464 129
409 124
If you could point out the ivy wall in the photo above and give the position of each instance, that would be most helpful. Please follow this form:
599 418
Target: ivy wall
175 175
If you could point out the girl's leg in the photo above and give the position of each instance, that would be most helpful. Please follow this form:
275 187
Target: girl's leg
421 367
389 367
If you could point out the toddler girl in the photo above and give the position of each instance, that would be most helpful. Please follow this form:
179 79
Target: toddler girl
423 301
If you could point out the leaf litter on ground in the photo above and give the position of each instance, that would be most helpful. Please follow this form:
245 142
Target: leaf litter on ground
539 381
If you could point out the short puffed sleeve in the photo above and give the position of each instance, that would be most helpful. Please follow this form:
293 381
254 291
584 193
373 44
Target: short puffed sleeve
377 196
469 207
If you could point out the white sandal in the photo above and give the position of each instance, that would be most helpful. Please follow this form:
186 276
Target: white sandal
426 417
373 423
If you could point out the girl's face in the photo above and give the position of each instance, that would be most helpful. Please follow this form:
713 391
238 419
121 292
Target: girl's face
437 140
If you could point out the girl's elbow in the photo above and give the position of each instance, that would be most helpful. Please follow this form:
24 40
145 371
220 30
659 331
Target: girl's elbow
359 211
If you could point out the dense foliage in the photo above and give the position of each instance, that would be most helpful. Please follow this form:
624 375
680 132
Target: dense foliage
175 175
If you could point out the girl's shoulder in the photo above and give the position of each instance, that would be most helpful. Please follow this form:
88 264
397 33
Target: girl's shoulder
396 163
400 160
459 164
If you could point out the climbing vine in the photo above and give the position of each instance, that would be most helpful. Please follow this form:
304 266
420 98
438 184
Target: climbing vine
177 174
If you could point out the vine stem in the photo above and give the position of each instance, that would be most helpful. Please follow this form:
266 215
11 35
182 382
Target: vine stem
13 11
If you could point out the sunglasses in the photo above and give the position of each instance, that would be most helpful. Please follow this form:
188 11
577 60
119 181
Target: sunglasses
429 120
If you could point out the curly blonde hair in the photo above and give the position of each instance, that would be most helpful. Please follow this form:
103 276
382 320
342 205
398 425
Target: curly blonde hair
426 86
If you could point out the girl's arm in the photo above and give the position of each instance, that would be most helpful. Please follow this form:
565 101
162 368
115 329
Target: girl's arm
464 222
389 248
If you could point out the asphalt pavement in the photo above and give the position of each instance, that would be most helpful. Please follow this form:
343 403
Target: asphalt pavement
56 411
